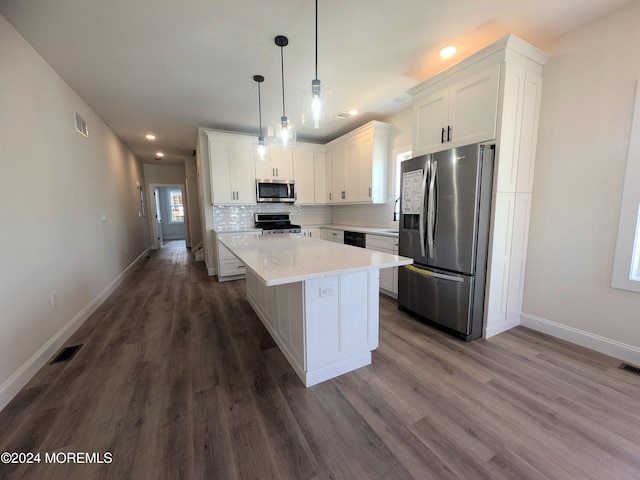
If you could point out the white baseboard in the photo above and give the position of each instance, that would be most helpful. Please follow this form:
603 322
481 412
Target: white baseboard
21 377
613 348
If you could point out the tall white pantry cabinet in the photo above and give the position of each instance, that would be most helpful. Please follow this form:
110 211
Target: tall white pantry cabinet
492 97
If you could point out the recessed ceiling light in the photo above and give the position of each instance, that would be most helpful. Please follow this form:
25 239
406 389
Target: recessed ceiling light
159 155
150 136
446 52
353 111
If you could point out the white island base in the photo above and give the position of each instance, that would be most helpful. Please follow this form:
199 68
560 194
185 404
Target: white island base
324 326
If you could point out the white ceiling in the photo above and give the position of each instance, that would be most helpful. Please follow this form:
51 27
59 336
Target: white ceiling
170 67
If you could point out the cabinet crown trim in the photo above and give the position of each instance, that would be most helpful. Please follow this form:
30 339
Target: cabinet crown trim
500 50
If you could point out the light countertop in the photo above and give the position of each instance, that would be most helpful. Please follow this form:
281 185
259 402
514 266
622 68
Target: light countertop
281 259
236 230
386 231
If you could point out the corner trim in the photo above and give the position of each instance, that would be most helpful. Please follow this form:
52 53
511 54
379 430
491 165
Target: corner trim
27 371
497 329
610 347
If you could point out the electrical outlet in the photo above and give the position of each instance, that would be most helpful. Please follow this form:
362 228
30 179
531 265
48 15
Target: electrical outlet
327 291
54 299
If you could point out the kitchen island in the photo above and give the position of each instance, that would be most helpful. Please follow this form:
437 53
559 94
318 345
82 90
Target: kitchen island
317 299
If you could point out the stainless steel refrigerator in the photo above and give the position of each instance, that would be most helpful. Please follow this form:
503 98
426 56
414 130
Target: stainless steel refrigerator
445 210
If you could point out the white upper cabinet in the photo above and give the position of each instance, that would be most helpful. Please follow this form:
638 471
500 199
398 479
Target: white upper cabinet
458 114
359 163
320 177
326 194
231 169
280 164
304 174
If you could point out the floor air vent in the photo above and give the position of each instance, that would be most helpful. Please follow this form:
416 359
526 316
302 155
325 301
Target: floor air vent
630 368
66 354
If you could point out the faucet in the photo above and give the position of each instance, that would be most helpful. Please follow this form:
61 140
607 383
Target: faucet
396 212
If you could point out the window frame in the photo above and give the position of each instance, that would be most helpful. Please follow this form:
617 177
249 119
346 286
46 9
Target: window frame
399 155
626 266
169 205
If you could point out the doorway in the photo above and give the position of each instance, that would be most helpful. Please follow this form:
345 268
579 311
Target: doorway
169 213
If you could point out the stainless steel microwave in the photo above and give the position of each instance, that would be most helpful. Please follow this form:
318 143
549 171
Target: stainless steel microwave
275 191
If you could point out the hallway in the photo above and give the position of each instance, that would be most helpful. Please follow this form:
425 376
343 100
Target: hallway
177 379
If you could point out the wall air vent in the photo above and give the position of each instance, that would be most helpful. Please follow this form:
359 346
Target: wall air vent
81 126
630 368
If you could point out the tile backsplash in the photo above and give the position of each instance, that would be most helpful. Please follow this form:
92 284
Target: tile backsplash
241 216
364 215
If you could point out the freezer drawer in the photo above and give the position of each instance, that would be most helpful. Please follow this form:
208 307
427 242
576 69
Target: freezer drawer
441 297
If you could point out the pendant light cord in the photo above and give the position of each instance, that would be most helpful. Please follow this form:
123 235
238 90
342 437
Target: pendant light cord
316 39
282 75
260 110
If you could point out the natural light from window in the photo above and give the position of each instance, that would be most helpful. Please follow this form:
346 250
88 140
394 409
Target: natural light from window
635 267
399 154
176 207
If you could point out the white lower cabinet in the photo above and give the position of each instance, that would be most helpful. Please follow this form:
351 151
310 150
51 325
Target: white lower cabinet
229 267
332 235
388 276
313 232
321 334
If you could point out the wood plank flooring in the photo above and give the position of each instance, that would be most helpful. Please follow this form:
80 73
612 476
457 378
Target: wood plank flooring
178 379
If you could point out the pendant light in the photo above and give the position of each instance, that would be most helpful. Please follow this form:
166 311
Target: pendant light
260 147
316 102
284 131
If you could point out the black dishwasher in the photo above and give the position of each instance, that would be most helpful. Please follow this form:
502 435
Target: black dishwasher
357 239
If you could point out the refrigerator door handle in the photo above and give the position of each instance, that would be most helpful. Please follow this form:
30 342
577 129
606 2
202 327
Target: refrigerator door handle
422 212
429 273
431 207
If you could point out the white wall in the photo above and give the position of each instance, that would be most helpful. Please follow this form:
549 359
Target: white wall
55 187
585 122
193 211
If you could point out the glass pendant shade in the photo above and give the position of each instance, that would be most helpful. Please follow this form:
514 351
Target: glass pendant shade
261 150
284 133
316 105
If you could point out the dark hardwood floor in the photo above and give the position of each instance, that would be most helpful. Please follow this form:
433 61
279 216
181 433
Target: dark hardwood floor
177 379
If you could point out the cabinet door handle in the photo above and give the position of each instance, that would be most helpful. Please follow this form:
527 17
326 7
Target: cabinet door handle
369 192
330 195
277 173
442 136
448 133
344 194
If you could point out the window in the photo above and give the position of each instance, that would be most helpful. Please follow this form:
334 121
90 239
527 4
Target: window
176 208
626 266
399 155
